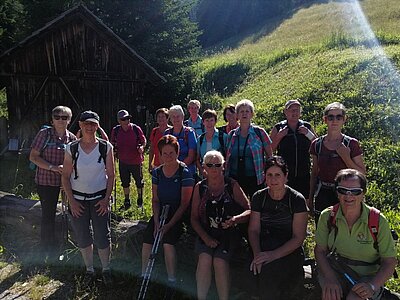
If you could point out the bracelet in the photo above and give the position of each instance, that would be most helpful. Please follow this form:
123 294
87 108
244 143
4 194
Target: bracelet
310 135
372 286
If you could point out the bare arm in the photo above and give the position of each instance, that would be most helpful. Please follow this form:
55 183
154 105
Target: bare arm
104 204
35 157
276 136
186 193
151 157
190 158
356 162
76 207
155 203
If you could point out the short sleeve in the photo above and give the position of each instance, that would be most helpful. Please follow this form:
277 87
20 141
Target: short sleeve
299 203
40 139
154 178
266 139
386 244
312 147
187 178
355 148
68 149
256 201
322 232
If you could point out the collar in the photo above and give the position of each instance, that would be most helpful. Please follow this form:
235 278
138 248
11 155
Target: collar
363 217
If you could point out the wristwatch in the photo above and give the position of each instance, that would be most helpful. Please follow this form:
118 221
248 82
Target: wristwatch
372 286
50 167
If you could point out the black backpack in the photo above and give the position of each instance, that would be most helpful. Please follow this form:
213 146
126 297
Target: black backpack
320 140
75 153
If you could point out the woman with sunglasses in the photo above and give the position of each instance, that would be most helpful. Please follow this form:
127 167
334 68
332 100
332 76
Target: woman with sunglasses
345 244
219 204
47 154
277 229
331 153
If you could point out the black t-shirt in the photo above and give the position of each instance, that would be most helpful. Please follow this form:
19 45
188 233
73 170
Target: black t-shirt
277 216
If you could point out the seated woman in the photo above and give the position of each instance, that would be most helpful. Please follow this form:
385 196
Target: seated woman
344 230
173 186
277 229
219 204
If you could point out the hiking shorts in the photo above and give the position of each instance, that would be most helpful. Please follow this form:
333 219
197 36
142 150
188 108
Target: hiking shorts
89 222
125 172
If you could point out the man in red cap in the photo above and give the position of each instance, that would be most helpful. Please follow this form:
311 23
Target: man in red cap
129 143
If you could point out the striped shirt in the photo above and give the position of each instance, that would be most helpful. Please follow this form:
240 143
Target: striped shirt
258 149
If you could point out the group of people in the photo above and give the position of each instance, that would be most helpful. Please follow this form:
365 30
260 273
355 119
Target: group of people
230 180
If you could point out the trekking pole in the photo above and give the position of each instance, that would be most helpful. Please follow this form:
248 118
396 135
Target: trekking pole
115 186
154 250
64 223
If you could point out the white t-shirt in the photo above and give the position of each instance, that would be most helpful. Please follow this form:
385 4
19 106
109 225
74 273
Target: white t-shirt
92 175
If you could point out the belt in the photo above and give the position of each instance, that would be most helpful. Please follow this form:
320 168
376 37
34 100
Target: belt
99 193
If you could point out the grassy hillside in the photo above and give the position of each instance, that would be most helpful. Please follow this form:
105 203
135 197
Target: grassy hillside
320 55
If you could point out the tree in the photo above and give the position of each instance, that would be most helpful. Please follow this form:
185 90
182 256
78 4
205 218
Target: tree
12 20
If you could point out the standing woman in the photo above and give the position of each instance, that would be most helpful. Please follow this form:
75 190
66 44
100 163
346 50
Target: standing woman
88 180
231 118
173 186
277 229
186 138
330 154
47 154
248 146
219 204
155 135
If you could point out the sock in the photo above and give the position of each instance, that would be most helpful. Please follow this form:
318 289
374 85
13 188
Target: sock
90 269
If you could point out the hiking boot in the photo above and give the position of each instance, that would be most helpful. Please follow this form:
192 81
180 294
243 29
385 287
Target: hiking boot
107 278
140 202
127 204
88 279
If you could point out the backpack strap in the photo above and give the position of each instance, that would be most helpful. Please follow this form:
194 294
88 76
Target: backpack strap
102 150
346 140
318 145
74 156
136 132
201 138
331 223
221 142
47 140
373 225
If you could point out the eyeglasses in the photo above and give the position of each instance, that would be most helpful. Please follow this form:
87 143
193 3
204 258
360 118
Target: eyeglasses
64 118
217 165
125 118
333 117
349 191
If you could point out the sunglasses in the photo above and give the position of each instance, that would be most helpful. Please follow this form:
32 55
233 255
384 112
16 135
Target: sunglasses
125 118
349 191
218 165
64 118
333 117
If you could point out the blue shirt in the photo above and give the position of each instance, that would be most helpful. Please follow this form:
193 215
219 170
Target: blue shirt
187 140
215 144
197 126
169 188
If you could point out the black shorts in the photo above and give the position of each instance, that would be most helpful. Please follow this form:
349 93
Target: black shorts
171 237
125 172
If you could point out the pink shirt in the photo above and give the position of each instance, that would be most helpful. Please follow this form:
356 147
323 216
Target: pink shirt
126 144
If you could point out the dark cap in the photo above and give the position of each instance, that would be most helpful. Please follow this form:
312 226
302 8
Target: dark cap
89 116
123 114
291 102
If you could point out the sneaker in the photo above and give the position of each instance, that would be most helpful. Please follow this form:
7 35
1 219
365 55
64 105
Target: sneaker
88 279
127 204
140 202
107 278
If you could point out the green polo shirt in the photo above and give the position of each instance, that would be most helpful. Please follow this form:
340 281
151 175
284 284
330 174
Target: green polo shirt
357 243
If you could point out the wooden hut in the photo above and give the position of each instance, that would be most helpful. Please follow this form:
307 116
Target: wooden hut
77 61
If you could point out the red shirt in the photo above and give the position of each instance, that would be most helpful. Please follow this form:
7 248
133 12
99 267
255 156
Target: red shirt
53 153
329 162
127 143
155 136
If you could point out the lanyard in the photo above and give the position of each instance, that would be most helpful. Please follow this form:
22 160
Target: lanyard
244 151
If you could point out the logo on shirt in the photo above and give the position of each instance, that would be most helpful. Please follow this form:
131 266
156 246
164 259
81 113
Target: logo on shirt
362 239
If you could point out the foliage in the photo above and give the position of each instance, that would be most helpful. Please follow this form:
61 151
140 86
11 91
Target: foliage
11 14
